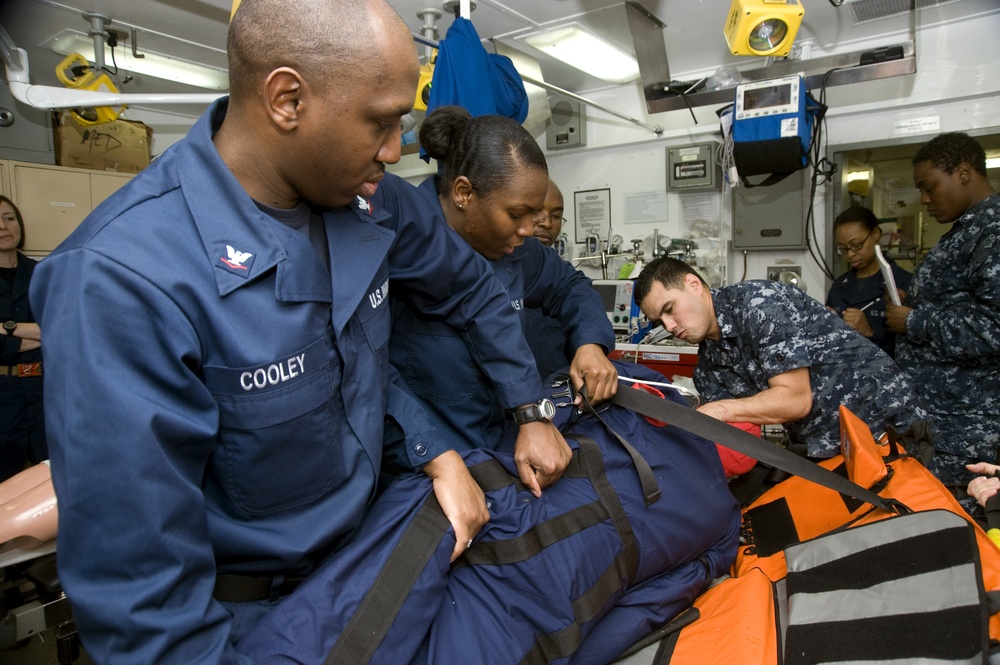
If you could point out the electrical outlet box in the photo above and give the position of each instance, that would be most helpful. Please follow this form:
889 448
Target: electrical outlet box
774 272
692 168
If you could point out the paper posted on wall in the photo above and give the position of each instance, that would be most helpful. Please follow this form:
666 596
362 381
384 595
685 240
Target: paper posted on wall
890 281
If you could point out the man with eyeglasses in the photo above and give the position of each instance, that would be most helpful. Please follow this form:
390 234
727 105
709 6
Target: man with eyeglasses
950 327
545 333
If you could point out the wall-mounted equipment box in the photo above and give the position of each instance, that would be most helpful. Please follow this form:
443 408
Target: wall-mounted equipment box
567 128
771 217
693 168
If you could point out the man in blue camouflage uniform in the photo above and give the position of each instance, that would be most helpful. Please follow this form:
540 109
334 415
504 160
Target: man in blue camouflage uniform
951 322
768 353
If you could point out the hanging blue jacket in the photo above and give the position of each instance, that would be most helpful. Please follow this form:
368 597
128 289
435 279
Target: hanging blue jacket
216 395
438 364
467 75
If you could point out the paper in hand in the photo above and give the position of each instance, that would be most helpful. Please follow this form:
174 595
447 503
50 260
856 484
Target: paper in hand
890 280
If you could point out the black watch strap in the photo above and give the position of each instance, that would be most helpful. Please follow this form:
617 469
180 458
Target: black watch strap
543 410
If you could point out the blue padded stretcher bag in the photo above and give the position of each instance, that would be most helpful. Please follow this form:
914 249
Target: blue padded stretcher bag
575 576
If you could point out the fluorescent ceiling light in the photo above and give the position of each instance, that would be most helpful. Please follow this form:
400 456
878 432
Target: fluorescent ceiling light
858 175
993 163
586 52
153 64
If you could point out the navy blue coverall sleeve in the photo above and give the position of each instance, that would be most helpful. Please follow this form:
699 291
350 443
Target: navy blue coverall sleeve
471 300
566 294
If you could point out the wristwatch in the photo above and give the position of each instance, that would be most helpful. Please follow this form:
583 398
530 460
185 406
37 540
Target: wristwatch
9 327
543 410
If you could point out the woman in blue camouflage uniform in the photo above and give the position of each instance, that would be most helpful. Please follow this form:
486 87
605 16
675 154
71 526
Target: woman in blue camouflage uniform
951 321
858 295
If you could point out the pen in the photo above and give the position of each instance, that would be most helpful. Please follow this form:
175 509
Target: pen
869 305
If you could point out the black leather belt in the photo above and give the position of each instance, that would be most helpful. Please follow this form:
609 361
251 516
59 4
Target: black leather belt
247 588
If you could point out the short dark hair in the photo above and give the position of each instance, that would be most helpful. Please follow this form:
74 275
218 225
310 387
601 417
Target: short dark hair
949 151
665 270
17 214
859 214
327 41
487 149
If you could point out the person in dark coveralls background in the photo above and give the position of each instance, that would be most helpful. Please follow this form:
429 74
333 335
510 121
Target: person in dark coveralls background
217 371
544 333
22 420
858 295
768 353
949 325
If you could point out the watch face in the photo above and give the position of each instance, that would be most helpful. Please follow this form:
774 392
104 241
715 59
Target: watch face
9 325
546 409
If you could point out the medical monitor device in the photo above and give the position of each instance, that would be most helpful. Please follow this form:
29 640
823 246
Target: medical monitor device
773 97
772 126
623 312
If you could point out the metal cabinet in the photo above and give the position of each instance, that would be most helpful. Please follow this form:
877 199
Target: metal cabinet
54 200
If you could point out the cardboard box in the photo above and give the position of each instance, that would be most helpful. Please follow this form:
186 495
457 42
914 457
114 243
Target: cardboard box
120 145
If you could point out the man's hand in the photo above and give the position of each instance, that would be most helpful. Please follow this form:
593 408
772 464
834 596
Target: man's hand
716 410
591 367
982 487
855 318
461 499
541 455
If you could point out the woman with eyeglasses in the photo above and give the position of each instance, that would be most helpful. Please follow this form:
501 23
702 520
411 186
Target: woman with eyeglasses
859 294
490 188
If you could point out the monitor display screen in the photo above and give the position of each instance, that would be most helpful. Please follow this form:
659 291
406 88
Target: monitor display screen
608 293
771 96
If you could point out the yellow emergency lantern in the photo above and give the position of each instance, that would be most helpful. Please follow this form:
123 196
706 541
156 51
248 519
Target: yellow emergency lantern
423 87
75 72
763 27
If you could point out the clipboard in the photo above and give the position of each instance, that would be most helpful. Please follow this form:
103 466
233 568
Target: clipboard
887 276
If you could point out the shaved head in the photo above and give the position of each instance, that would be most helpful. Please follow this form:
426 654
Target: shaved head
324 40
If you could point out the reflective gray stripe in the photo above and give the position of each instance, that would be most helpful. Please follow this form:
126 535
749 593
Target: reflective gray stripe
940 590
826 549
978 660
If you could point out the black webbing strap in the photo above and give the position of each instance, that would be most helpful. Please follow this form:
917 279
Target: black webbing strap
532 542
490 474
743 442
621 571
377 611
371 621
672 627
650 489
564 643
993 512
594 463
